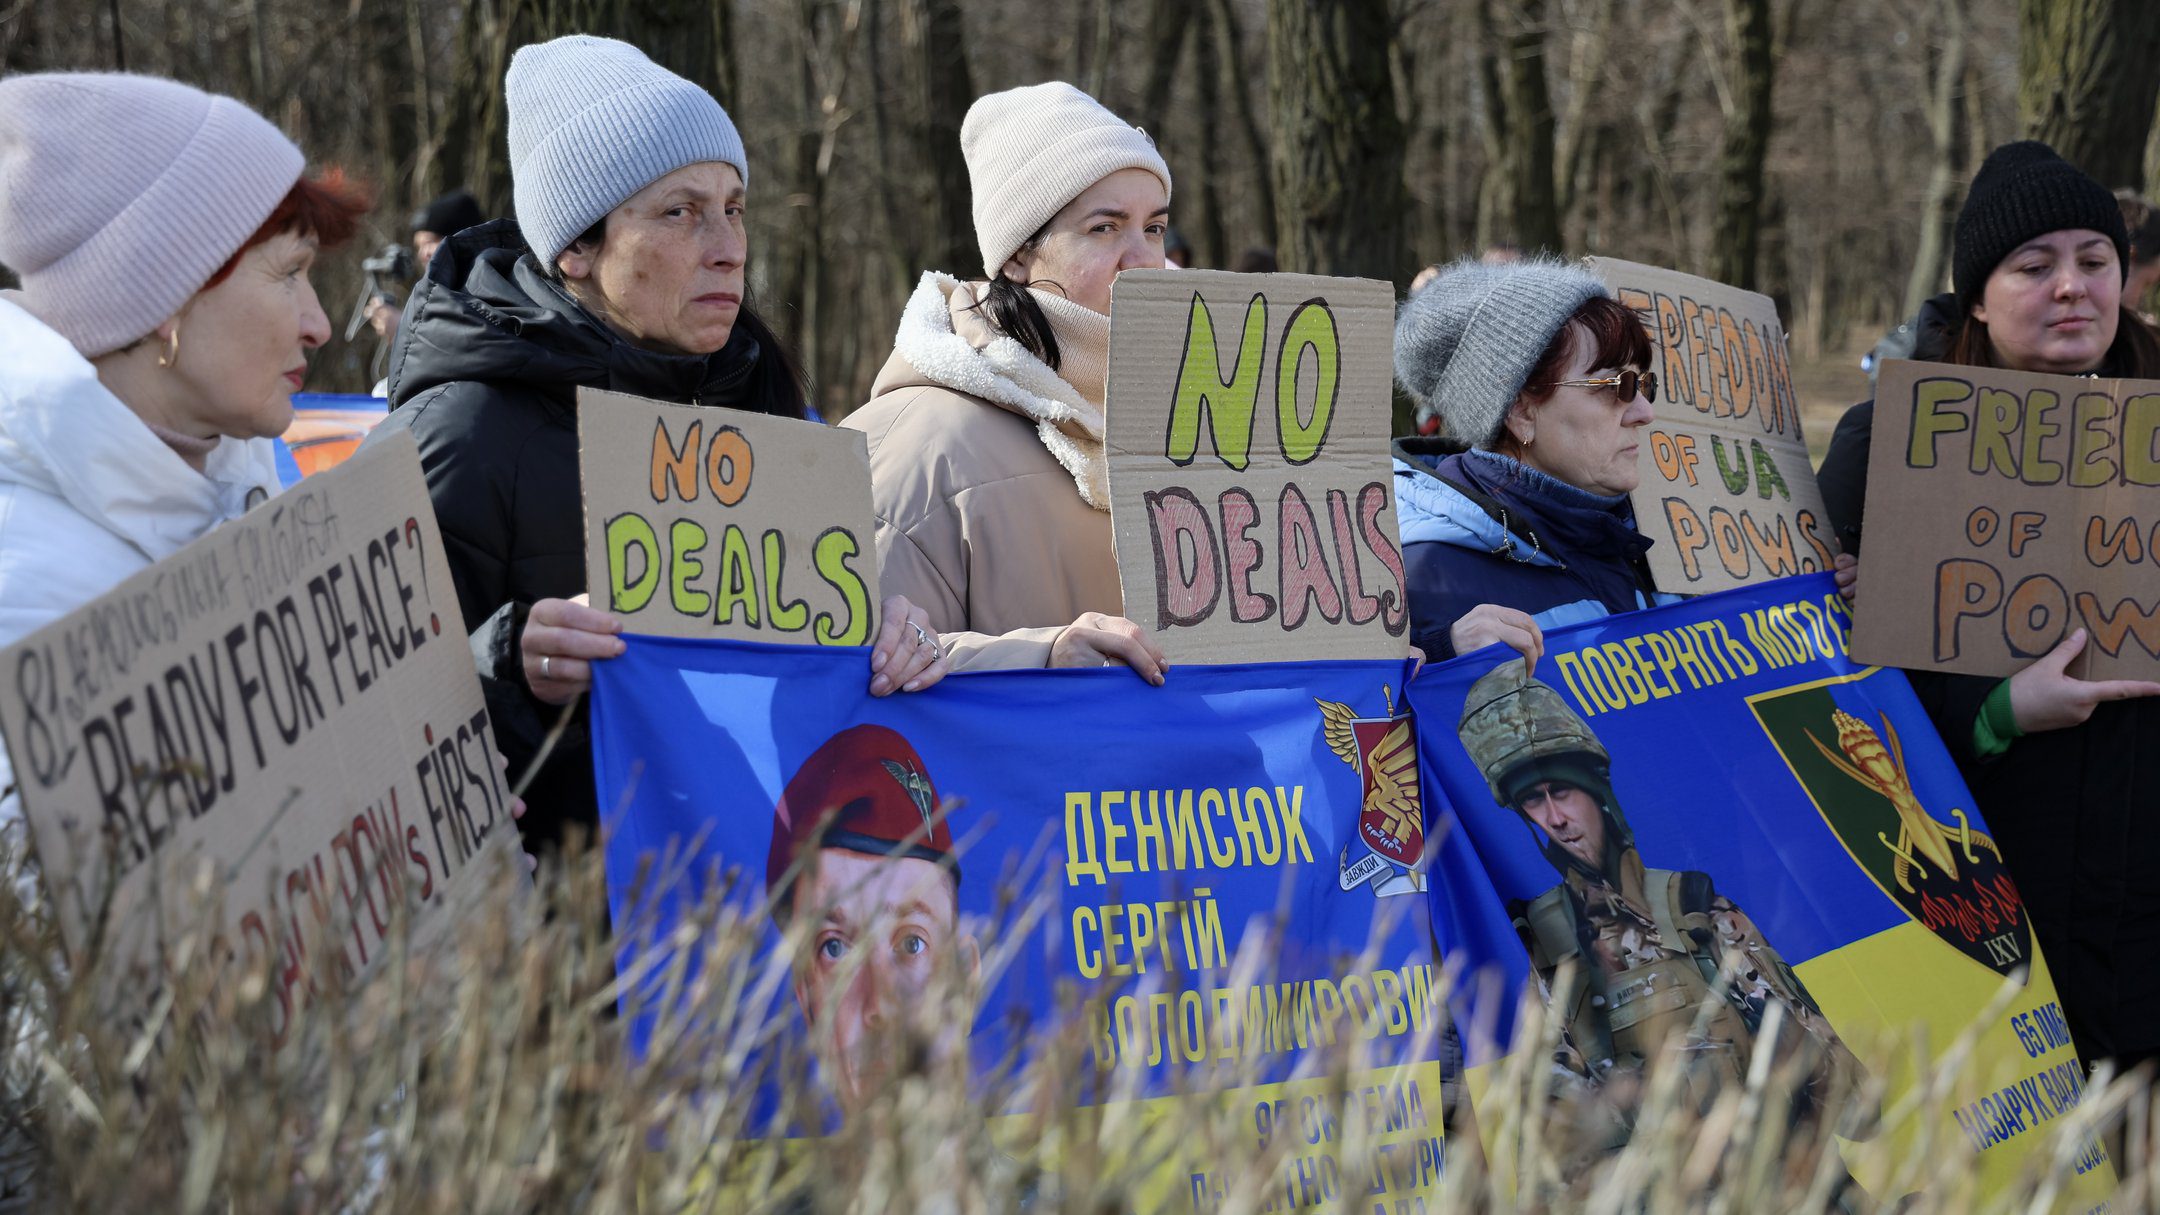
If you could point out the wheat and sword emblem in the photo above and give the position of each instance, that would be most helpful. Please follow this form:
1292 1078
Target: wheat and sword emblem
1922 841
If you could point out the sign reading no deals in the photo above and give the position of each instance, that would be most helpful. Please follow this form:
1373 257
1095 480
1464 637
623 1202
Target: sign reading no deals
288 700
1727 491
2025 506
1250 485
704 522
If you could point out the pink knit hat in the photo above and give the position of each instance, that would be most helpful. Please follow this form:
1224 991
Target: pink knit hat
120 195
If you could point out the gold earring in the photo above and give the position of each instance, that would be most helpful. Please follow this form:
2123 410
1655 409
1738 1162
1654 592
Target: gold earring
171 357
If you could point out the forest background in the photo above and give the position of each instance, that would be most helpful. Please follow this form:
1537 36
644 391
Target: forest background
1816 150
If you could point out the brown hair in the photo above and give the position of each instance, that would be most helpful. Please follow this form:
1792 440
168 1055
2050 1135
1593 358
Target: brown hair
328 208
2135 354
1617 339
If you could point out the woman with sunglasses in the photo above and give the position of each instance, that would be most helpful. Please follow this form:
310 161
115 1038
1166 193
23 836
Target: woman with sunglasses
1518 520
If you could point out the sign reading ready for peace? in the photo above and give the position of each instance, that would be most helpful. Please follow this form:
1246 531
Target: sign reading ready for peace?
288 701
2007 510
706 522
1727 491
1250 483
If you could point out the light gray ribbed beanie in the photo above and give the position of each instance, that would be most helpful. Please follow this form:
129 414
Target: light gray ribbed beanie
1465 345
120 195
592 122
1033 149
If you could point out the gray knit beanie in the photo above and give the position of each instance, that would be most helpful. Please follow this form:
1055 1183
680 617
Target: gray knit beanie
120 195
592 122
1032 150
1466 344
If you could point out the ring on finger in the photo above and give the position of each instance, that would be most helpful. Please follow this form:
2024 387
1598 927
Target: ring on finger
545 659
922 635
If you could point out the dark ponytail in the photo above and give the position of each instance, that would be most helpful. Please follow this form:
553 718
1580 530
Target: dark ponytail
1014 313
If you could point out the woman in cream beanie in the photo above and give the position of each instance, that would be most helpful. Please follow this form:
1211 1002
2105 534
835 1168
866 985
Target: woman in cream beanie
986 425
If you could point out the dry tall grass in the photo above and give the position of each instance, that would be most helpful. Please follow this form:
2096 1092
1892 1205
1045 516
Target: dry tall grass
486 1071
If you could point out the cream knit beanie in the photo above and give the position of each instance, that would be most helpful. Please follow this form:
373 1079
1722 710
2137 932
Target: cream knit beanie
1032 150
121 195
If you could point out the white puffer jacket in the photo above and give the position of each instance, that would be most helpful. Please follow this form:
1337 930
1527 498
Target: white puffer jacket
88 495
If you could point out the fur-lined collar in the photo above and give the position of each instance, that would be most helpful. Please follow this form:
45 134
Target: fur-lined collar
1002 372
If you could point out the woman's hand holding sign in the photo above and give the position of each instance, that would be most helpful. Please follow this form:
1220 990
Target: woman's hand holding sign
2045 696
564 637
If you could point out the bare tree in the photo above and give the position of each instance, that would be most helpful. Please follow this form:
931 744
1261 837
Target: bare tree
1338 140
1736 234
2087 82
1947 137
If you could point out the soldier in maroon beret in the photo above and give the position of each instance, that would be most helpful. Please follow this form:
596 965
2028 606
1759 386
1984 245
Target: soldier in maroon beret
857 842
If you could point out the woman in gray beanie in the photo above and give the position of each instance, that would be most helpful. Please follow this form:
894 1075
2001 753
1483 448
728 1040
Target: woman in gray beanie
1518 520
2066 770
622 270
986 425
163 237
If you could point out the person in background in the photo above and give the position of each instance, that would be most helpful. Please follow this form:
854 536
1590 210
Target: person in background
440 220
1257 260
623 270
1177 251
986 425
432 224
2142 221
2066 771
1518 520
163 237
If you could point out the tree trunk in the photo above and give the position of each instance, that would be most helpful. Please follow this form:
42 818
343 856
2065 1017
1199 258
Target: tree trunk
1168 20
1946 131
1212 242
1529 135
1338 149
1235 75
1737 232
2087 83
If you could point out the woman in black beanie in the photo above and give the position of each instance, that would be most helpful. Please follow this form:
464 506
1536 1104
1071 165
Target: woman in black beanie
2066 770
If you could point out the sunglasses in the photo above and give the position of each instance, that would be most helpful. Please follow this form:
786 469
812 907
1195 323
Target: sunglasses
1625 385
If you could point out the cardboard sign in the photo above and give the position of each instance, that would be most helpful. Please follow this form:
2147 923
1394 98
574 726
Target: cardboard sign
2007 510
1250 482
1727 490
703 522
288 701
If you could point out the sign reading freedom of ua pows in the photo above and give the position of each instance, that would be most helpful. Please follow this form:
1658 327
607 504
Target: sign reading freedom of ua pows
1223 897
1718 775
1728 491
289 700
1250 483
2020 508
703 522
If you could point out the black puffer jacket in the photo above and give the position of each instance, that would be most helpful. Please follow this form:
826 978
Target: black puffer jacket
2077 811
485 375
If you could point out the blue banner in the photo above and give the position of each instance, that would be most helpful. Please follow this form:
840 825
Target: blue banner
1232 869
1717 784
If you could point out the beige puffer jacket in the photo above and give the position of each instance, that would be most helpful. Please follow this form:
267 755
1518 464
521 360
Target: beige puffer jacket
987 476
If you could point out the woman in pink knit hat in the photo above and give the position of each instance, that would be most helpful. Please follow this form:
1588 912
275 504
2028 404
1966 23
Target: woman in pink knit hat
163 238
986 428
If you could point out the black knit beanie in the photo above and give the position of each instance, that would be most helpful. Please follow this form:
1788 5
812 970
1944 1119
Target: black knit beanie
2024 190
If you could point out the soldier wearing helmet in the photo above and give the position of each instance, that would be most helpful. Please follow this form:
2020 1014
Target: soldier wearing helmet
858 844
1631 957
